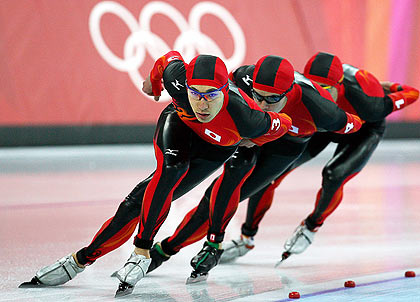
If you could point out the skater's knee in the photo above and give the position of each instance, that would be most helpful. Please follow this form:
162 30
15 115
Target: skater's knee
245 159
175 170
238 170
130 207
248 162
332 175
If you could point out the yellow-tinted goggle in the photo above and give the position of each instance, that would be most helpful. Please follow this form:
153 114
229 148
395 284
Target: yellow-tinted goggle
326 87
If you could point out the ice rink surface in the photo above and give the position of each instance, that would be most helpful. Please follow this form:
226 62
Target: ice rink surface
53 200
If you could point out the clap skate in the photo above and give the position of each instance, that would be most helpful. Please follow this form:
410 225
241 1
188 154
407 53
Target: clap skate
58 273
301 239
203 262
134 269
236 248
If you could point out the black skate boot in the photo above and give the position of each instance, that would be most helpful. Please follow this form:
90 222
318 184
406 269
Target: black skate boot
205 260
158 257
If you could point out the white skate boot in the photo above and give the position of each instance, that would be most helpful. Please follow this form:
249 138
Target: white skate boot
236 248
301 239
134 269
58 273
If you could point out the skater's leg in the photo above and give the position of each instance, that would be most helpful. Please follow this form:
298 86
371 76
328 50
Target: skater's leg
349 159
224 199
351 155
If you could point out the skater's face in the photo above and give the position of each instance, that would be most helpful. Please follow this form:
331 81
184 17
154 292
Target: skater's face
264 100
206 101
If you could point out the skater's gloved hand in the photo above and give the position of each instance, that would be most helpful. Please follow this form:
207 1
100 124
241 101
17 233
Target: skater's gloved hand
156 73
147 88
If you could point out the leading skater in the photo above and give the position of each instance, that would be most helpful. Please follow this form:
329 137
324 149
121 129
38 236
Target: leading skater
195 135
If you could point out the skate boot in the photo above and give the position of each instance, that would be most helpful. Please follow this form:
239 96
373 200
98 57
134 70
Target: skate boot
299 242
158 257
134 269
58 273
204 261
236 248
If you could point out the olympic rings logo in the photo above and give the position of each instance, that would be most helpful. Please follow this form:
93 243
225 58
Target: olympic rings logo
189 43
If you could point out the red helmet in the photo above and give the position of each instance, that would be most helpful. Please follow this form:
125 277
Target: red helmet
324 68
207 70
273 74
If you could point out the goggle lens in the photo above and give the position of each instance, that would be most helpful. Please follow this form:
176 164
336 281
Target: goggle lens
272 99
209 96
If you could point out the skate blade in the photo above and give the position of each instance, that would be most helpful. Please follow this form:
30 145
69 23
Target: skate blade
34 283
284 256
124 289
195 278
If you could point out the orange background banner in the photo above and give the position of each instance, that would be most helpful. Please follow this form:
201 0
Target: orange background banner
82 62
